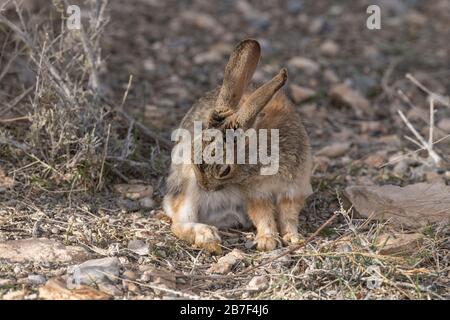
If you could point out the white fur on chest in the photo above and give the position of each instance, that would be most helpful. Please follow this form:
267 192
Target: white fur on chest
223 209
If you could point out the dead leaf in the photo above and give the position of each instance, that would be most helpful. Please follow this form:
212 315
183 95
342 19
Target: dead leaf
55 289
226 263
413 206
399 243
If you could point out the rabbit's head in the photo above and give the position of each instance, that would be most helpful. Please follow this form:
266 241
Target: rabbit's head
232 111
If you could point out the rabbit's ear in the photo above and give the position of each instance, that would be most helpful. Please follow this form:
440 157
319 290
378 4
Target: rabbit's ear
247 113
238 73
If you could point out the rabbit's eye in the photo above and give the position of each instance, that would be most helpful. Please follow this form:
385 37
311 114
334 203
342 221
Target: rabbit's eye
224 171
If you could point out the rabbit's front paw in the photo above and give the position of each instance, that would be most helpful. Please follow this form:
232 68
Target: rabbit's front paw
207 237
292 238
266 242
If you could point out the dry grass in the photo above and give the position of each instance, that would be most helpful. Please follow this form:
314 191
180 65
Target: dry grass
62 131
334 265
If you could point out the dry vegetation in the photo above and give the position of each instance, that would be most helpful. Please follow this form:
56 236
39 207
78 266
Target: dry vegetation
71 128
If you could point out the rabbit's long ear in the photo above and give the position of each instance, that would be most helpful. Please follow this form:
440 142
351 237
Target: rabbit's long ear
238 73
247 113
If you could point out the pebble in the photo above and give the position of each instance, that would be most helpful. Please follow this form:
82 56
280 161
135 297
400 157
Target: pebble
300 94
329 48
96 271
139 247
375 160
330 76
444 124
258 283
348 96
334 150
36 279
294 6
128 205
147 203
304 64
40 250
401 168
129 275
6 282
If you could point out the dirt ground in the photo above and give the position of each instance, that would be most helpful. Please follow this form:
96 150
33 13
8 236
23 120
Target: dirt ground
175 52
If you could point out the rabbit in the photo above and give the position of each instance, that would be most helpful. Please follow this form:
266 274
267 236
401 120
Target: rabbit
202 198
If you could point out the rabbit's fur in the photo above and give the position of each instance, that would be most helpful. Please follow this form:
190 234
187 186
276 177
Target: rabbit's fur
202 198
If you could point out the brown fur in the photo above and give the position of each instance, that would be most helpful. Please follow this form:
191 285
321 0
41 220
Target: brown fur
261 213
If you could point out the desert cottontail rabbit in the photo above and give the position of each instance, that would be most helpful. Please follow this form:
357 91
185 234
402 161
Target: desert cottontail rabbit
203 197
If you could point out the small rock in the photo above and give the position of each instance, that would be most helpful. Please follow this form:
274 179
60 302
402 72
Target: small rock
226 263
134 191
40 250
375 160
32 296
370 126
207 57
416 18
444 124
6 282
55 289
346 95
330 76
147 203
258 283
401 168
36 279
365 84
132 287
110 289
334 150
301 94
399 243
203 21
249 244
14 295
129 275
146 276
128 205
336 10
149 65
317 25
413 206
304 64
433 177
257 19
329 48
139 247
96 271
344 246
294 6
